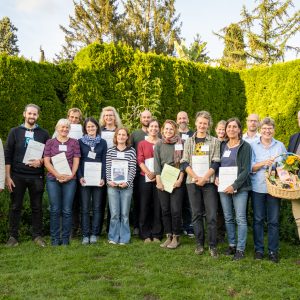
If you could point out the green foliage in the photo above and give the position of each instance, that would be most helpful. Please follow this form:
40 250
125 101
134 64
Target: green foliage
8 37
275 92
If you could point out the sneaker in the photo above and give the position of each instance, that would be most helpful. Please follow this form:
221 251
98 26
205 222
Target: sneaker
12 242
147 241
85 241
190 233
231 250
273 257
239 255
122 244
93 239
112 242
39 241
156 240
258 255
199 250
136 231
213 252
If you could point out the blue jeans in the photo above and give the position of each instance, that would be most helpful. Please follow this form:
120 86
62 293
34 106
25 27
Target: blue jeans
119 205
61 200
238 202
91 198
265 205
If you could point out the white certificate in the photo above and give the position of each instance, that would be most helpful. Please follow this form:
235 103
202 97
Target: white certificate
92 173
119 171
169 175
200 164
149 163
34 151
108 136
227 176
60 164
75 131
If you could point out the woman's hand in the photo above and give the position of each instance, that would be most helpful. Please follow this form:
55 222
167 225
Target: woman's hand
101 183
112 184
229 190
217 181
82 181
123 185
177 183
201 181
151 176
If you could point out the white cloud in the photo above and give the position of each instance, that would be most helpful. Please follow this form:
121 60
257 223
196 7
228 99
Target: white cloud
32 6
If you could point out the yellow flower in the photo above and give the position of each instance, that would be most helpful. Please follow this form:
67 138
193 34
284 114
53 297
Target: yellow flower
290 160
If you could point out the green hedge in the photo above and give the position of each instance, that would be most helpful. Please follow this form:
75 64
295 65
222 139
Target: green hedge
275 92
106 74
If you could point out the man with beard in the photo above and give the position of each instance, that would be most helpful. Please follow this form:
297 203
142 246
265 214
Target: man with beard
21 176
182 121
252 129
136 137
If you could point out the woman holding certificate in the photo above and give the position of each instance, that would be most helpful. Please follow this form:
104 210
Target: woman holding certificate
167 155
120 172
61 157
233 185
201 160
91 173
150 212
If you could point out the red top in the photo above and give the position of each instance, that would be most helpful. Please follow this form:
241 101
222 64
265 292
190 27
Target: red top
145 150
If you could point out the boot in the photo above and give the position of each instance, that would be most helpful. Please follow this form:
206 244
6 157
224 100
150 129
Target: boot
167 241
175 242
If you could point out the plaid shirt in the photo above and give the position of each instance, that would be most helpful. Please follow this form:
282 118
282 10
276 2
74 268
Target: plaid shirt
213 153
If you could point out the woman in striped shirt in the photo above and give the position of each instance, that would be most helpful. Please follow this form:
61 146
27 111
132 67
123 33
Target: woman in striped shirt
120 172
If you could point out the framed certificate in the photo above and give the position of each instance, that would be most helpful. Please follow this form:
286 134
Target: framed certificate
92 173
200 164
119 171
227 176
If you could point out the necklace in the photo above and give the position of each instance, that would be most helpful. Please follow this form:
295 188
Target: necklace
233 145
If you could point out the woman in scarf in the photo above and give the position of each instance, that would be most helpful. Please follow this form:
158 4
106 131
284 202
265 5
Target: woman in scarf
93 150
169 151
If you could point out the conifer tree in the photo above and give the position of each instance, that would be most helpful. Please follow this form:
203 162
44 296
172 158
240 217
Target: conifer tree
8 37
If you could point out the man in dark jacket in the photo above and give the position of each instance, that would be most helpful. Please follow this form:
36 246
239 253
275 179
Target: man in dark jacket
21 176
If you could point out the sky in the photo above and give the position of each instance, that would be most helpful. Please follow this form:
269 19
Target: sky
38 23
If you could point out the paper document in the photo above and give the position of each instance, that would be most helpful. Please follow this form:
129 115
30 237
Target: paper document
169 175
60 164
108 136
92 173
227 176
75 131
149 163
200 164
119 171
34 151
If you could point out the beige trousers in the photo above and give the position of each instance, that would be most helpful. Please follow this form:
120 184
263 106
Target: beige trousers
296 213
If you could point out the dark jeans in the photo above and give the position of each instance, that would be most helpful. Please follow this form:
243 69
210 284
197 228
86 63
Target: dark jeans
150 211
186 211
171 206
91 199
35 188
265 206
204 199
135 202
104 207
221 228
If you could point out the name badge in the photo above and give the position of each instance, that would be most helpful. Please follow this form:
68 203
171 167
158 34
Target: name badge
120 154
62 148
92 155
146 137
184 136
205 148
178 147
227 153
29 134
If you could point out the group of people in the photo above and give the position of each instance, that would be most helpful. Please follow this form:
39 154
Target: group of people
104 161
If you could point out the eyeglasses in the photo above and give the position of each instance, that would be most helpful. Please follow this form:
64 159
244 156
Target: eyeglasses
267 128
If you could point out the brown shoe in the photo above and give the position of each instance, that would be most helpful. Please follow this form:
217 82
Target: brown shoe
199 250
156 240
12 242
39 241
167 241
175 242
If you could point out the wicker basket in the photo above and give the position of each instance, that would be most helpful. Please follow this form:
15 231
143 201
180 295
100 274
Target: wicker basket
277 191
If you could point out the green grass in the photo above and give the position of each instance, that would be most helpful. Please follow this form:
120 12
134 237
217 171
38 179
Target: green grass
143 271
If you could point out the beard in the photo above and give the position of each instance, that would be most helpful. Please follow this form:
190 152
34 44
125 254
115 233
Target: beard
183 125
146 124
31 121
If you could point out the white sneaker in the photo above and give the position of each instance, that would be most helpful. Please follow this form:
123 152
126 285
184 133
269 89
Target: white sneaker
112 242
93 239
85 241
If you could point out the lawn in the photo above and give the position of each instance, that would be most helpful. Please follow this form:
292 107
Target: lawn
143 271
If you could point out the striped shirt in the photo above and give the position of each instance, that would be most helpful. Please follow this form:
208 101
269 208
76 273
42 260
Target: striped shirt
129 156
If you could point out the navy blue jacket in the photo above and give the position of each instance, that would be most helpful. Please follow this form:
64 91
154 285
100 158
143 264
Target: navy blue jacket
294 143
100 150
